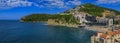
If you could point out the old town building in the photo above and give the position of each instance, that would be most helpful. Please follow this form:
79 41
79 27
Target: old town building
108 37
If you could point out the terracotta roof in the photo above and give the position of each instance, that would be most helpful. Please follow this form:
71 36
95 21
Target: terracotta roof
104 36
109 33
113 32
116 32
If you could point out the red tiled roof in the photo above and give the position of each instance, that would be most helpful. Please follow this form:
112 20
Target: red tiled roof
109 33
116 32
104 36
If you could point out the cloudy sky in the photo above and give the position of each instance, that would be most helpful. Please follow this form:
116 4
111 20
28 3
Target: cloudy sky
15 9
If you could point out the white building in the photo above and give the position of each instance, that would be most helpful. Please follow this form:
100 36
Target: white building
81 17
110 23
108 37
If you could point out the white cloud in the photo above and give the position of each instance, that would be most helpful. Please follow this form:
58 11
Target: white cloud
74 2
53 3
108 1
14 3
39 3
60 3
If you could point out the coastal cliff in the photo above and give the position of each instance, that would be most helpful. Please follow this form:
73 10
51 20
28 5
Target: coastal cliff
68 19
61 23
57 19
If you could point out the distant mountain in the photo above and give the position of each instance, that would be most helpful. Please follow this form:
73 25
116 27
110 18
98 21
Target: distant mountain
92 9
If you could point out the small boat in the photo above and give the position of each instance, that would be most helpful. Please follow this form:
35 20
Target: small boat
81 26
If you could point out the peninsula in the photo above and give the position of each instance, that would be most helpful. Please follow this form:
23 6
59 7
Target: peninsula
83 15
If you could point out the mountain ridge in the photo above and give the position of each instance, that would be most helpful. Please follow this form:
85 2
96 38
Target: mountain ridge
92 9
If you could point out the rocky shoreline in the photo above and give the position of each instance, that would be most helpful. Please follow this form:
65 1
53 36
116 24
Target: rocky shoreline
61 23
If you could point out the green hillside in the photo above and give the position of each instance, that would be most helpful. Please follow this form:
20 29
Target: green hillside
67 16
36 17
44 18
93 9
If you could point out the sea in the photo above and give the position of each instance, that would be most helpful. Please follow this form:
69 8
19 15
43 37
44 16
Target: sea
13 31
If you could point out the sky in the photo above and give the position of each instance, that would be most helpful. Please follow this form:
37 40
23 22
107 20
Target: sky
16 9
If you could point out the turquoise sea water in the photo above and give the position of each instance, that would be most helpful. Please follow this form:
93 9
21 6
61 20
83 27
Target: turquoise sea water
12 31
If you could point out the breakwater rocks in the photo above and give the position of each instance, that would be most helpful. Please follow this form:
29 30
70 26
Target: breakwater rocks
61 23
